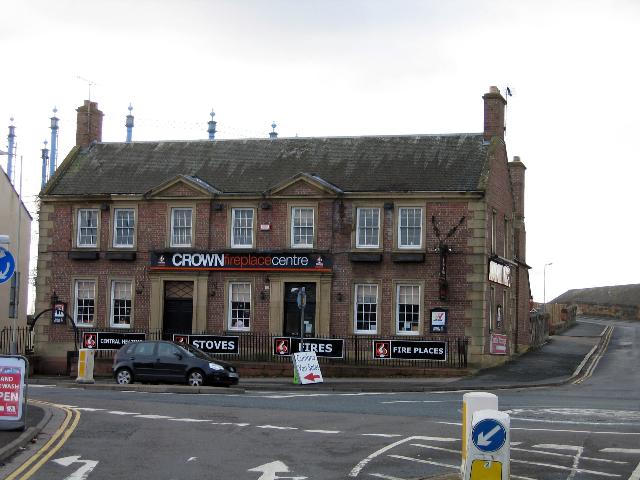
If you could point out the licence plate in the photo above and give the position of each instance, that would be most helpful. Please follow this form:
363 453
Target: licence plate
233 375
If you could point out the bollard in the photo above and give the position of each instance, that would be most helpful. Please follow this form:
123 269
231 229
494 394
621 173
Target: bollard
488 445
85 366
471 403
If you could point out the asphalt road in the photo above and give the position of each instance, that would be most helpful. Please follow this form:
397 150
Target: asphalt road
578 431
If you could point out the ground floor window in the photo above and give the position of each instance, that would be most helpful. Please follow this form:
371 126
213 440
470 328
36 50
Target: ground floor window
408 309
85 302
366 308
121 303
239 306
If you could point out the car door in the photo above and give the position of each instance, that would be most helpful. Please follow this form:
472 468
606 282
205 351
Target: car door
143 359
171 363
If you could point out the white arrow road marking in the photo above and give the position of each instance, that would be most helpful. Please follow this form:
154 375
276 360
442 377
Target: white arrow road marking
80 474
270 470
485 440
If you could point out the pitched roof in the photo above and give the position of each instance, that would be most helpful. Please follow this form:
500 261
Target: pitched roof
417 163
614 295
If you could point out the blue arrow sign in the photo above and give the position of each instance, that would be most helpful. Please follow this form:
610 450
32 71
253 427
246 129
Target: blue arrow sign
7 265
488 435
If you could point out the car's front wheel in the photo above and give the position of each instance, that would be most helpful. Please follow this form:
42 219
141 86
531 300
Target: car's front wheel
195 378
124 376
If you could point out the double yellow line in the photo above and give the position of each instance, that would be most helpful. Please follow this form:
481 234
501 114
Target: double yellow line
608 333
57 440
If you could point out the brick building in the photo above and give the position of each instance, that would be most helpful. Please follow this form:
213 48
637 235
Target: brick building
404 237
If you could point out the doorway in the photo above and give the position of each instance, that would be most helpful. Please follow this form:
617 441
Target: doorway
178 308
292 313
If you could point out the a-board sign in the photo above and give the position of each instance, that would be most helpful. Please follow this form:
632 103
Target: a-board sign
410 349
13 393
498 344
110 340
322 347
217 344
307 367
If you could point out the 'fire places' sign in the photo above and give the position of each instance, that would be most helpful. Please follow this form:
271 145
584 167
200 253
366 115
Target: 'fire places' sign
410 350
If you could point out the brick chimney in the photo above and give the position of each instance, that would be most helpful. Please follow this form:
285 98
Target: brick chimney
89 126
494 105
517 171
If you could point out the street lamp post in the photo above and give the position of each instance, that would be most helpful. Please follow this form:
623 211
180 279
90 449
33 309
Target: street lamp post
544 286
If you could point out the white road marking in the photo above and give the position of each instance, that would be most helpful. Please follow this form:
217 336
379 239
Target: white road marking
80 474
593 432
621 450
118 412
87 409
323 431
302 395
231 423
275 427
553 454
154 417
192 420
431 447
438 464
191 459
384 435
385 477
559 467
31 385
572 422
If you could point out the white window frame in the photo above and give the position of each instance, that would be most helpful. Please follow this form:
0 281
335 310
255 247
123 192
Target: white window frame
250 228
175 210
397 309
230 310
115 228
400 227
112 313
360 227
80 227
294 210
76 307
357 302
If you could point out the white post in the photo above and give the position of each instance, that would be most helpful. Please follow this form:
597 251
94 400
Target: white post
473 402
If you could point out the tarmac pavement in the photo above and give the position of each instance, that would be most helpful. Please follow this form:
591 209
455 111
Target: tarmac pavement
558 361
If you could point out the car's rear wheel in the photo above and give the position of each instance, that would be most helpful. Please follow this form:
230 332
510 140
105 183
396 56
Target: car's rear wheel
195 378
124 376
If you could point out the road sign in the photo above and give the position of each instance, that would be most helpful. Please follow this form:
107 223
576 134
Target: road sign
489 435
7 265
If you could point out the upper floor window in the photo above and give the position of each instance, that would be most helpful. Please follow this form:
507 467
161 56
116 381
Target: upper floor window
181 227
239 306
366 308
124 227
494 233
410 227
408 309
242 227
302 227
121 303
368 232
507 237
85 302
87 227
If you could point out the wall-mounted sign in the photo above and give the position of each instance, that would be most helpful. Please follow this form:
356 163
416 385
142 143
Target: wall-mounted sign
439 317
58 313
211 343
410 349
498 345
262 261
322 347
499 273
110 340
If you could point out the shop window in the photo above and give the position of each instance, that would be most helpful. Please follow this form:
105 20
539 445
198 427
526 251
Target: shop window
408 309
181 223
239 306
366 308
302 227
124 227
121 303
87 227
410 227
368 231
85 302
242 228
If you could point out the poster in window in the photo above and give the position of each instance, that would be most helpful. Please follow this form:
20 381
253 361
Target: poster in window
439 318
499 317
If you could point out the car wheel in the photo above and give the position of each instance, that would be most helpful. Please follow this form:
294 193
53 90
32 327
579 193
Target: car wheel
195 378
124 376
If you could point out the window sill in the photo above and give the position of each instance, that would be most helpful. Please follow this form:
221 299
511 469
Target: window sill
120 256
365 257
83 255
406 257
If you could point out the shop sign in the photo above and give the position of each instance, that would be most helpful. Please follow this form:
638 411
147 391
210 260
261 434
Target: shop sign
216 344
498 345
322 347
234 261
439 318
110 340
12 391
499 273
58 313
410 350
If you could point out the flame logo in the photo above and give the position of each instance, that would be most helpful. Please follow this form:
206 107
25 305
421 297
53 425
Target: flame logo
282 347
381 350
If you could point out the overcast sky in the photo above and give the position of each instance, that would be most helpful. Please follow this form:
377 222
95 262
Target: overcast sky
326 68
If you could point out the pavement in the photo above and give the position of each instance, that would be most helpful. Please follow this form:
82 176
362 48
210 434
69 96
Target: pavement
560 360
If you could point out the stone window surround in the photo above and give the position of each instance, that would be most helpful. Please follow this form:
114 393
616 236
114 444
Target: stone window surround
408 282
111 280
112 227
76 226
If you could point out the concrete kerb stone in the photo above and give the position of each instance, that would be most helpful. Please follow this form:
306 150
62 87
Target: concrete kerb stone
184 389
25 437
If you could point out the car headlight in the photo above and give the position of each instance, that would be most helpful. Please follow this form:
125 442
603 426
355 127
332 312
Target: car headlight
215 366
